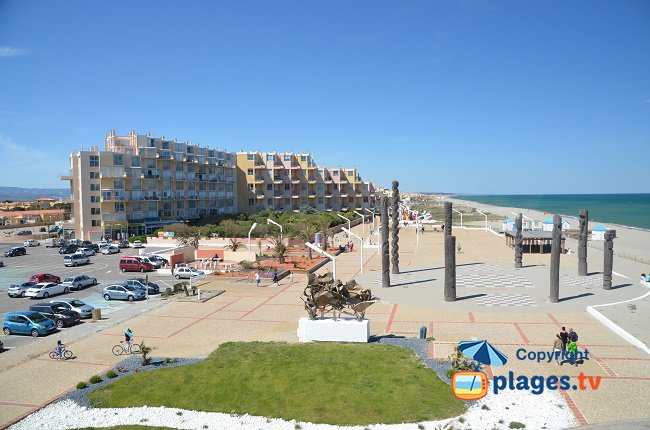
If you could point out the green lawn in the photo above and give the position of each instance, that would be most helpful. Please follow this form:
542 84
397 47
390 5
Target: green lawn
128 427
343 384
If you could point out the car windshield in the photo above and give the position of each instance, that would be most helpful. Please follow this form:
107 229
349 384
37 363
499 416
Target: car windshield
130 288
69 279
59 308
76 303
37 318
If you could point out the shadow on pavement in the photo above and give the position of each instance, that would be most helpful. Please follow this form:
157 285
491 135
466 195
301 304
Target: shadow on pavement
564 299
473 296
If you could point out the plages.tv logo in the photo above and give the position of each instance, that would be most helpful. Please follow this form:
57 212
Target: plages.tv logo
473 385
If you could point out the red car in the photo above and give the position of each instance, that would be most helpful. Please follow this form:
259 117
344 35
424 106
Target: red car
44 277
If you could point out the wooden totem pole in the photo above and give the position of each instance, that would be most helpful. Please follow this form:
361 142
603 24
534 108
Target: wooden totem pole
395 221
385 257
609 259
450 257
519 238
582 243
556 249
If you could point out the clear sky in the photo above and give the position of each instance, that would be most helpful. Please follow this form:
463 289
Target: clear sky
488 97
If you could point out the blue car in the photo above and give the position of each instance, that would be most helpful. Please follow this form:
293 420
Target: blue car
27 322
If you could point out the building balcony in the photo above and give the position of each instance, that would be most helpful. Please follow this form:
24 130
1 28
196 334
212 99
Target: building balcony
295 196
328 181
328 196
295 181
344 194
259 180
259 196
65 177
278 180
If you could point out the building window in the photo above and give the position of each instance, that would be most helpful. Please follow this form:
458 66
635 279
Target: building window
250 157
287 201
303 158
249 172
350 172
365 199
118 159
251 202
321 200
94 187
135 161
287 157
250 187
94 161
287 187
95 223
335 173
94 175
269 157
94 199
94 211
269 187
269 202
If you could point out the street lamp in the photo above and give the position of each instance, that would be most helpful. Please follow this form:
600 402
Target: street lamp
360 245
363 220
249 235
461 216
347 219
320 251
373 217
486 226
270 221
529 219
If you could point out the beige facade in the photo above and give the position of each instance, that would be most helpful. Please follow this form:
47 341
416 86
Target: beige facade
286 181
139 183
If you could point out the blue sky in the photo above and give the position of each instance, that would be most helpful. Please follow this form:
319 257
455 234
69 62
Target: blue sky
486 97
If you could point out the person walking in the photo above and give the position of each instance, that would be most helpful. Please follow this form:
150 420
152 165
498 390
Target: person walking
257 278
573 336
557 348
276 281
565 338
572 351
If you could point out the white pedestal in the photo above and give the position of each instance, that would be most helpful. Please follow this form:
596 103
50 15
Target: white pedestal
329 330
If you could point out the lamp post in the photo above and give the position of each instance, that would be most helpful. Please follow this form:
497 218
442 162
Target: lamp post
373 217
360 246
486 226
249 235
320 251
347 219
270 221
529 219
461 216
363 221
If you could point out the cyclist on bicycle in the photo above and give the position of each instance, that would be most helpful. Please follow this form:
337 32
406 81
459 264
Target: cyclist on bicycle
128 336
59 349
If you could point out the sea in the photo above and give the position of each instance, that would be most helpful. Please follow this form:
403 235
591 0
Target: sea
631 210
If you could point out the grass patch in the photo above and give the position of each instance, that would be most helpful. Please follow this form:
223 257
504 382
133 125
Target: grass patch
127 427
387 384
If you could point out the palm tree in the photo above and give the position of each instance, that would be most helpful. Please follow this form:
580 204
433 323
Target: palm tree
305 232
234 245
322 225
280 248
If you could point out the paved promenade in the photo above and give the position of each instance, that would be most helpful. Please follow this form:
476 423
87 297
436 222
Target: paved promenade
487 283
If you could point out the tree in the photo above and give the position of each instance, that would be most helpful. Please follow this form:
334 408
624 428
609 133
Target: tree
280 248
322 225
305 232
188 236
234 245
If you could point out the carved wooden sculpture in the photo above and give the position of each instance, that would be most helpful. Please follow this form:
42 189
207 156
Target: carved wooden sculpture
556 249
582 243
385 257
448 218
519 238
324 295
609 259
450 268
395 221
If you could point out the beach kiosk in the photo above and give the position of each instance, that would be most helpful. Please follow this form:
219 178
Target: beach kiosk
598 232
508 224
547 225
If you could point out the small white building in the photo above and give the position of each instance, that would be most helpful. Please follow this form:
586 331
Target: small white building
508 224
598 232
547 225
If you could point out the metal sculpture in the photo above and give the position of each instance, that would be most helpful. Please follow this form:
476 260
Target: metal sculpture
448 218
582 243
324 295
450 268
608 264
385 257
519 239
395 221
556 246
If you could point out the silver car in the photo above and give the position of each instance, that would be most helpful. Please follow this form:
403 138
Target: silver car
187 272
88 252
112 249
46 289
84 310
18 290
80 281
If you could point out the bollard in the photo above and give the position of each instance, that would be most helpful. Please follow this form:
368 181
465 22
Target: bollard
423 332
199 291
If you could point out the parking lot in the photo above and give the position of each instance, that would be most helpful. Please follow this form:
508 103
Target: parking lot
40 259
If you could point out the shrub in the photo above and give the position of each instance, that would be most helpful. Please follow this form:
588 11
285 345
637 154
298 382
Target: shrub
111 374
142 239
81 385
179 287
485 407
517 425
145 359
246 265
459 362
95 379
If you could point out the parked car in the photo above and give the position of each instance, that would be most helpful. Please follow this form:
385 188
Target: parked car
46 289
53 229
187 272
18 290
44 277
27 322
61 315
143 285
123 244
80 281
163 261
24 233
154 263
89 252
75 260
86 243
15 251
94 247
32 242
51 242
137 244
84 310
68 249
2 346
111 249
134 264
123 292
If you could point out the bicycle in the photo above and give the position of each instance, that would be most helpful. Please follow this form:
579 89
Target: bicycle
66 354
124 349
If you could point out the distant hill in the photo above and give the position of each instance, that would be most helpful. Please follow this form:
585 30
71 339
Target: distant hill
18 194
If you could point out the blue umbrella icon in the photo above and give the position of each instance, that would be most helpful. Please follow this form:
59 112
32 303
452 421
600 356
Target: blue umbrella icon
483 352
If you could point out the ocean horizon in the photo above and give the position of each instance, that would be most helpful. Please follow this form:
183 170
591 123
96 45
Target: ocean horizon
631 210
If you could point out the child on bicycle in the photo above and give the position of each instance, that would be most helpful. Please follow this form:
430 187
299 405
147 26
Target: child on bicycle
128 336
59 349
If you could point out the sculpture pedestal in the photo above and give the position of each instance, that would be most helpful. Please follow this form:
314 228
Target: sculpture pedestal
329 330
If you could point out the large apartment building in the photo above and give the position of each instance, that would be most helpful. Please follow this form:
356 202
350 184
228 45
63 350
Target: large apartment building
139 183
288 181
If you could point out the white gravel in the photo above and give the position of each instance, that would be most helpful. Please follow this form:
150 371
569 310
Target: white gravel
545 411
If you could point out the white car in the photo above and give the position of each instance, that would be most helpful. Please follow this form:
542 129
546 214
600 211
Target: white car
187 272
155 263
112 249
137 244
31 242
76 305
46 289
88 252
